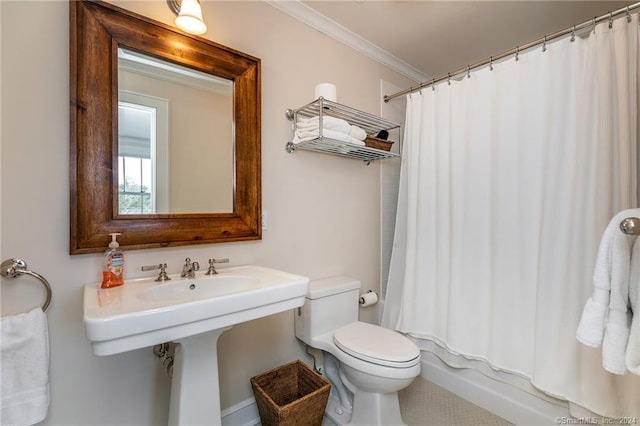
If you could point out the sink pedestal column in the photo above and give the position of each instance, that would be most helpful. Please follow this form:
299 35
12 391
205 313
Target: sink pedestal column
195 390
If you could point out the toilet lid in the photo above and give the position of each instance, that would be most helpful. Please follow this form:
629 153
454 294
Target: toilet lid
377 345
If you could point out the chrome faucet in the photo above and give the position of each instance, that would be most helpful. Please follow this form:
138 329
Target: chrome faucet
189 269
162 276
212 267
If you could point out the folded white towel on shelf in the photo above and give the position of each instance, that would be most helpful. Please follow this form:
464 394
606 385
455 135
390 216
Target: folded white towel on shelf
331 123
302 136
24 363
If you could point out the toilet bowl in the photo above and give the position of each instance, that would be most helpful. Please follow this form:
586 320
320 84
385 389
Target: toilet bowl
366 364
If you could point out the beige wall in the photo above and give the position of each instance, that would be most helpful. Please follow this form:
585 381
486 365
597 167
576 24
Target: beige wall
323 211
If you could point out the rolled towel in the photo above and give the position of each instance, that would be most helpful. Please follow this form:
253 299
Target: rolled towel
615 343
357 133
591 327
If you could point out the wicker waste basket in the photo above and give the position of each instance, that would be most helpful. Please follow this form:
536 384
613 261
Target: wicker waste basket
292 394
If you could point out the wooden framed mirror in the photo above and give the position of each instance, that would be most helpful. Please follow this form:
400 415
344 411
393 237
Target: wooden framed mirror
99 34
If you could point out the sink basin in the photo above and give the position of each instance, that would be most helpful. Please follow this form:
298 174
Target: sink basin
213 286
144 313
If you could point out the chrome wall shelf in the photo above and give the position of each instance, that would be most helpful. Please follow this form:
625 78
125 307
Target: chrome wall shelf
370 123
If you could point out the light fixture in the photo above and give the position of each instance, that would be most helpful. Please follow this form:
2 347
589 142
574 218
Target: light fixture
189 15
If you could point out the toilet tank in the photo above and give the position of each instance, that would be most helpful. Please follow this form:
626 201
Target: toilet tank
330 304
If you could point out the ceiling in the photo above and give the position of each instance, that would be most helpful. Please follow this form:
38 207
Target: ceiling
437 37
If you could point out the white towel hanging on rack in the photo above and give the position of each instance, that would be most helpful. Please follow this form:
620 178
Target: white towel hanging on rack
24 363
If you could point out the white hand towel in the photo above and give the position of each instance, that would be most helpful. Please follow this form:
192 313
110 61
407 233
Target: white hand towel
24 351
615 341
620 271
592 323
591 327
632 354
616 335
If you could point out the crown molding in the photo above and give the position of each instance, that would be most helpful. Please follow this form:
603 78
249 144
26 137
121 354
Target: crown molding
320 22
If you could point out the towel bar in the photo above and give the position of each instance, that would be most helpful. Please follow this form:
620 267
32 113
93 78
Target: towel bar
630 226
12 268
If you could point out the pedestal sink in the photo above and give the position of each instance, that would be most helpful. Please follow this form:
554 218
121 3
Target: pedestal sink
191 312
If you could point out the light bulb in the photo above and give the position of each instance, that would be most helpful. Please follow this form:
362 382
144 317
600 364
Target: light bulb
190 17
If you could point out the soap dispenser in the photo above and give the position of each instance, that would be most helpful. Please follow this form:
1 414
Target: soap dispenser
113 271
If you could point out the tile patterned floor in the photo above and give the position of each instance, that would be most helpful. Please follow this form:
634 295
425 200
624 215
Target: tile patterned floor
426 404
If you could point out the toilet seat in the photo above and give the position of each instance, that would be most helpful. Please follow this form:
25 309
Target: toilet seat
376 345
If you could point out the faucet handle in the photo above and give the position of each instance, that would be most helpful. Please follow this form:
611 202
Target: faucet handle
212 268
162 276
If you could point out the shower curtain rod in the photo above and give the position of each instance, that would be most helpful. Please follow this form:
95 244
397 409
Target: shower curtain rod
515 51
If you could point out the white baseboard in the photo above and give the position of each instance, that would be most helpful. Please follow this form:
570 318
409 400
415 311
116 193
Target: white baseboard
244 413
504 400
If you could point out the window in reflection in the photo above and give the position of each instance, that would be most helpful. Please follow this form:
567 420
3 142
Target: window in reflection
136 167
135 197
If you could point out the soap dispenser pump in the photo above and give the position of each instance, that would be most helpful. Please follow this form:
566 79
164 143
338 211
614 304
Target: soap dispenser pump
113 272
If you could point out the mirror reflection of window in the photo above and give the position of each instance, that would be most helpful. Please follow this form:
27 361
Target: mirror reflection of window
136 142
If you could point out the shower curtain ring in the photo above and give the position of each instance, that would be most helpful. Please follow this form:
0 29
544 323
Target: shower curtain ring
517 53
573 34
491 63
433 84
628 15
544 44
449 78
610 20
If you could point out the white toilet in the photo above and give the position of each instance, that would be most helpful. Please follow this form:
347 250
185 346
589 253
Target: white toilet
366 364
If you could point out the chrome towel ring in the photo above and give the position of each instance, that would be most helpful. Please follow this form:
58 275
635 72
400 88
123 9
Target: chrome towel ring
12 268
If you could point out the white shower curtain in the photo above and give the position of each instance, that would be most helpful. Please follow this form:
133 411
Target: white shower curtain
508 179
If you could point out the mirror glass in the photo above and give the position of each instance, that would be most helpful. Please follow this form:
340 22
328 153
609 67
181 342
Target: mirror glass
175 138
